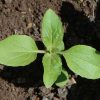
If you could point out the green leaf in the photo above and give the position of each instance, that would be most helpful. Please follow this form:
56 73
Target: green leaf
52 31
84 61
52 68
62 79
17 50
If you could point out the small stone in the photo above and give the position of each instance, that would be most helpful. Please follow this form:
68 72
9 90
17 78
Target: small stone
62 92
29 25
44 90
45 98
33 98
55 98
30 90
50 96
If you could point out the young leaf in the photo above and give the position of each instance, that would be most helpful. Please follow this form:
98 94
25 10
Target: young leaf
52 68
83 60
52 31
17 50
62 79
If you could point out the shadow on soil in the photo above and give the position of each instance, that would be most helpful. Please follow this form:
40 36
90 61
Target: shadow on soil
81 31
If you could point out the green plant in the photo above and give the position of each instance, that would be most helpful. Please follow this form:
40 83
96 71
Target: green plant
21 50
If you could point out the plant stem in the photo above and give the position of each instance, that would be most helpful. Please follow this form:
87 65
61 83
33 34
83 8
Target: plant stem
61 53
40 51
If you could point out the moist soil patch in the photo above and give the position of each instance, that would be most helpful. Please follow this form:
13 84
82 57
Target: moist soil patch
81 20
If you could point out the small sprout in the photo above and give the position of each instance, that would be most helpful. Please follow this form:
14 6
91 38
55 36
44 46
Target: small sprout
21 50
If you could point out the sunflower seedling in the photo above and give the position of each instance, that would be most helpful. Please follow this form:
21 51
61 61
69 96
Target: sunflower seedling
21 50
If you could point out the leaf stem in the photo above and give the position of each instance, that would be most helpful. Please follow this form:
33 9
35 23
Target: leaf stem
40 51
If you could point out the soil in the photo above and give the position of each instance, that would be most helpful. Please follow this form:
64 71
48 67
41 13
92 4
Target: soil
81 20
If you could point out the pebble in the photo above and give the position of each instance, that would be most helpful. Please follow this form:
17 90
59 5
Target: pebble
63 92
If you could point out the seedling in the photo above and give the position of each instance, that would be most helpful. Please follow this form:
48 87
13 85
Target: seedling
21 50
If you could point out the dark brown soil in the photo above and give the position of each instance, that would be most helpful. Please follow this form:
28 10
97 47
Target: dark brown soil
81 20
24 16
